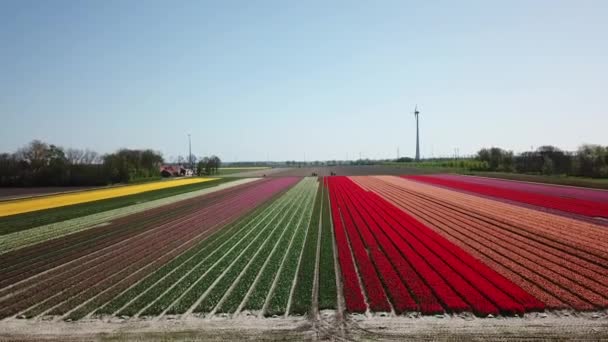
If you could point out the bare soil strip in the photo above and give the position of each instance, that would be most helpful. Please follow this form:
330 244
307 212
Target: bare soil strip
562 326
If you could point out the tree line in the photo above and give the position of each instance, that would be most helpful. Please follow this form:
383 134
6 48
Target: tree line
208 165
587 161
42 164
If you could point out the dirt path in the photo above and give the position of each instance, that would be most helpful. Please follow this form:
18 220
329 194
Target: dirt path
537 326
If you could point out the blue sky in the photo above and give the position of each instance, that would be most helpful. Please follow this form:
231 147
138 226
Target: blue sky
252 80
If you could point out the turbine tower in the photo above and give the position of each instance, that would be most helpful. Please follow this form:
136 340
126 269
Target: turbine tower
416 112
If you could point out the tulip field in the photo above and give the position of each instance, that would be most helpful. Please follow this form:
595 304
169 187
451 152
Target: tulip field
299 246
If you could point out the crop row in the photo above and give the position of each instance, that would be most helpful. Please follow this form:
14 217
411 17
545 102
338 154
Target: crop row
243 287
125 207
85 247
572 192
317 263
556 268
327 295
83 281
584 239
238 289
117 297
158 297
279 297
572 205
204 282
389 246
191 257
97 268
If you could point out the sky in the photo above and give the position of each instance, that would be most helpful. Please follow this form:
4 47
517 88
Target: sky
303 80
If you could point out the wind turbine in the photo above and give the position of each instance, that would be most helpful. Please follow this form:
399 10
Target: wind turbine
416 112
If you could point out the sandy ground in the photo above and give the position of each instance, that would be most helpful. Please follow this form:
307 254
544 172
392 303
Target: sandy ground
535 326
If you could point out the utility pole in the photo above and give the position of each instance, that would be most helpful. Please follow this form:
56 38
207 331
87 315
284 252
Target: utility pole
189 151
416 112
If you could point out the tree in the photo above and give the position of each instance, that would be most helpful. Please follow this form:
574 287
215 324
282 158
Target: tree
547 168
74 156
215 163
34 154
42 164
496 158
128 165
91 157
591 161
200 167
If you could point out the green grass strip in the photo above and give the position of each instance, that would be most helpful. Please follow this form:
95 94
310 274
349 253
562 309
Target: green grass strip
327 271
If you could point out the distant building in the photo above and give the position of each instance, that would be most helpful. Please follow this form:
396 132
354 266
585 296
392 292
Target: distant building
171 170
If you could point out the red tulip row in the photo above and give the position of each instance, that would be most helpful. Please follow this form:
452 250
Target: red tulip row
353 296
570 205
420 270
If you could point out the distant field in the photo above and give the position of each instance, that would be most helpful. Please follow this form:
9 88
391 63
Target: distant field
599 183
232 170
345 170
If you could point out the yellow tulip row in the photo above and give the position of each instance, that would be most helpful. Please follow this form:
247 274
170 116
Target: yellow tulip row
21 206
